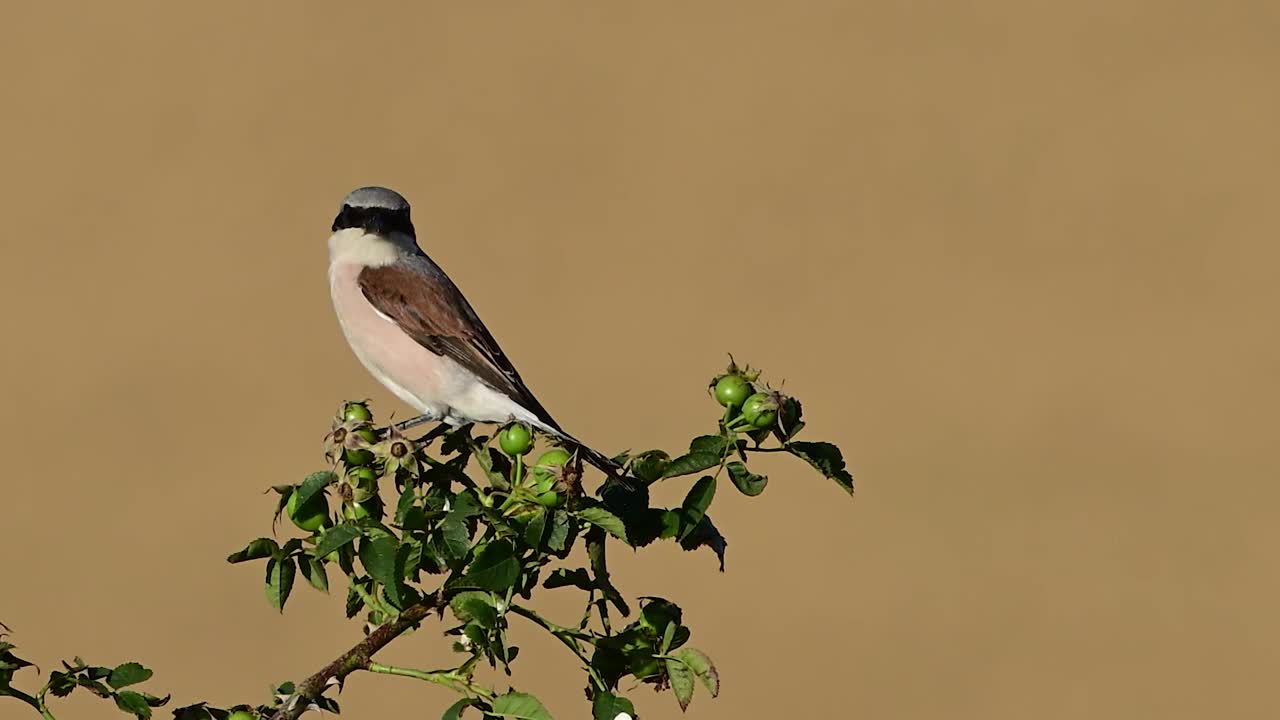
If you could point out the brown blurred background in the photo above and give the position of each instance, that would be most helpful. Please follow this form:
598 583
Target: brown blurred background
1017 258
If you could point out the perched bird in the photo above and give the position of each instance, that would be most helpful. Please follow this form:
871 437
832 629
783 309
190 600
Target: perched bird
415 332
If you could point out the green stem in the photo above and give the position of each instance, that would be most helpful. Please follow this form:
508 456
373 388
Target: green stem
447 678
568 636
37 702
371 601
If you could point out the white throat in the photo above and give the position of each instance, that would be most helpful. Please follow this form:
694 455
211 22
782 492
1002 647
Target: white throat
353 246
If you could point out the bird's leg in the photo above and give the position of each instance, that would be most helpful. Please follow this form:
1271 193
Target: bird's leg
420 420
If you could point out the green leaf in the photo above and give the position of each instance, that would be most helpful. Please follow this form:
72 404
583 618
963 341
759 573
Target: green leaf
336 538
563 577
130 673
697 501
746 481
702 666
280 572
453 540
455 710
256 550
681 678
826 458
535 529
604 520
495 567
691 463
314 483
378 555
521 706
709 443
313 570
475 606
600 570
133 703
558 538
608 706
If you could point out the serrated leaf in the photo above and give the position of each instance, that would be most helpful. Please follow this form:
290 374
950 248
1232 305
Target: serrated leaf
702 666
535 528
608 706
455 710
826 459
314 483
255 550
280 572
709 443
133 703
313 570
604 520
558 538
790 413
746 481
521 706
563 577
691 463
130 673
475 606
696 503
336 538
706 533
495 567
378 555
453 540
681 678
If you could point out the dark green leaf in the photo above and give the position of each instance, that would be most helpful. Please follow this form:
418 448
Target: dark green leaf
378 555
709 443
455 710
604 520
316 482
697 501
128 674
705 533
691 463
313 570
827 459
256 550
465 505
608 706
453 540
280 572
535 528
702 666
409 515
562 577
681 678
749 483
495 567
336 538
789 422
521 706
558 538
354 601
133 703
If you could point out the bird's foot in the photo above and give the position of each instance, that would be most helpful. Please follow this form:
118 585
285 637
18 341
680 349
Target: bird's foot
420 420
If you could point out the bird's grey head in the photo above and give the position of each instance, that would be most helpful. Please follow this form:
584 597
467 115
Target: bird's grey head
376 210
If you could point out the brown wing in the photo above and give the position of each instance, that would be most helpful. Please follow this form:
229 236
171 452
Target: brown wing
428 308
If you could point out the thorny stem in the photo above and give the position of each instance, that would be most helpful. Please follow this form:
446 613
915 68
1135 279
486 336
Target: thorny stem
358 657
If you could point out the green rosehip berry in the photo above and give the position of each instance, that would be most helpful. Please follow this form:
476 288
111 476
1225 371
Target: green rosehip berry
312 515
515 439
760 410
732 390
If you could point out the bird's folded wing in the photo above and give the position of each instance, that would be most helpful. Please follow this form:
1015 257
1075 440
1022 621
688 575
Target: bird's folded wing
429 308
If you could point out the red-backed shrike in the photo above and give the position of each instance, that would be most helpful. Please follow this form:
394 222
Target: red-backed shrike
415 332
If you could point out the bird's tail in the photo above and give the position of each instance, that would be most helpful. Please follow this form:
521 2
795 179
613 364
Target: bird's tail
593 457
